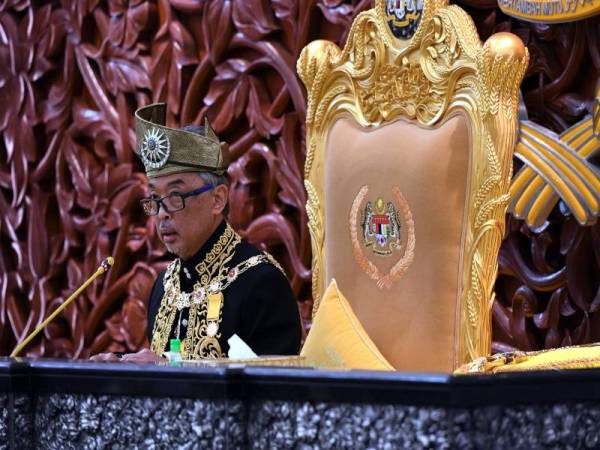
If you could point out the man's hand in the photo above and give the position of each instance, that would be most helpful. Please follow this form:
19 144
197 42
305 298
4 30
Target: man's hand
105 357
144 356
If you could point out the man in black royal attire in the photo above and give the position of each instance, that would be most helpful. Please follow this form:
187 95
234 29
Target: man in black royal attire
218 285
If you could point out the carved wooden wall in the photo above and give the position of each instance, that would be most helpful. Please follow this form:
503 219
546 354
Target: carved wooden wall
71 75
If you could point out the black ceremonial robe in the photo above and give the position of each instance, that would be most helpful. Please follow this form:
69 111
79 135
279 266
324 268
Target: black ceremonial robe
258 306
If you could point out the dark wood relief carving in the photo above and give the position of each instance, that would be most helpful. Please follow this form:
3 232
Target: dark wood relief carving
73 72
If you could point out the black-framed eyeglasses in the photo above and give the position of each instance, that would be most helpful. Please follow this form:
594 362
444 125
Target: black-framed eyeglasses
171 203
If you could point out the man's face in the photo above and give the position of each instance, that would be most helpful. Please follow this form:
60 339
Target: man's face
184 232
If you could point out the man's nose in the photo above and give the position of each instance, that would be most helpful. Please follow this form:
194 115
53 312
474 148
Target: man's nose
163 214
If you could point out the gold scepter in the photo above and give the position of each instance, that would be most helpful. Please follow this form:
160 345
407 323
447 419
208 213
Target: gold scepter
104 266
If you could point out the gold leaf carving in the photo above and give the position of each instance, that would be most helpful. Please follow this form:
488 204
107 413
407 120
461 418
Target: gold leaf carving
316 228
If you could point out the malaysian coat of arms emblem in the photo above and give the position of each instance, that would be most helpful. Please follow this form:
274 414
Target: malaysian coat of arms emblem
381 228
403 17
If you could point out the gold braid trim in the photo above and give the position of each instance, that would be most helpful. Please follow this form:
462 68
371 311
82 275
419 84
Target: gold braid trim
166 313
221 253
275 263
198 344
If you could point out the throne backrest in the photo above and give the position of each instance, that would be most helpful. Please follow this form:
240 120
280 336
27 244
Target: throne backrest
410 132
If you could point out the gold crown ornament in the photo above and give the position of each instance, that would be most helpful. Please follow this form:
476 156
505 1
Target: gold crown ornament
165 150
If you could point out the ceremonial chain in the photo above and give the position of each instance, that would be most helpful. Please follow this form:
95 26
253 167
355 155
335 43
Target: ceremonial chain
198 295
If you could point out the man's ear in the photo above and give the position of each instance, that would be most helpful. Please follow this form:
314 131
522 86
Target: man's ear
220 197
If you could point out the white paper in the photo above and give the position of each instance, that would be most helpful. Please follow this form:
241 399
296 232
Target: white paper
172 356
238 349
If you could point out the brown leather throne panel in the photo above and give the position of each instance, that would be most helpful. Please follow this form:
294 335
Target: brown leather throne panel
395 208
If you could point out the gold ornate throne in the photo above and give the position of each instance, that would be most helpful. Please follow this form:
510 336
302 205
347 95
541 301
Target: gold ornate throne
410 133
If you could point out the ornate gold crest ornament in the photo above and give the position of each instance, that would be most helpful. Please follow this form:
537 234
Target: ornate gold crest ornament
155 149
403 17
381 232
381 228
421 62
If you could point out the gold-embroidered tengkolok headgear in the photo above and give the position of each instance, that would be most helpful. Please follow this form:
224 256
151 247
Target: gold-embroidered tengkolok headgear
165 150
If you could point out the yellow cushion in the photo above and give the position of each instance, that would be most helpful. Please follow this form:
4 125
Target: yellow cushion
576 357
337 340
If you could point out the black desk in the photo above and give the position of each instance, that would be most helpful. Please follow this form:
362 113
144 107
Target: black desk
79 404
